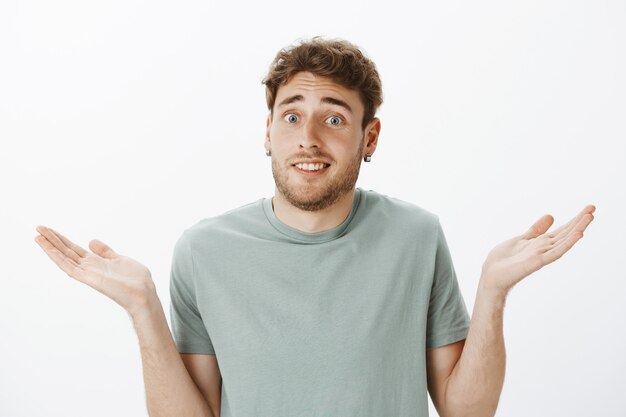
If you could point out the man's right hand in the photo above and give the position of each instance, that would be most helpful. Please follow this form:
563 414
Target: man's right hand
124 280
170 388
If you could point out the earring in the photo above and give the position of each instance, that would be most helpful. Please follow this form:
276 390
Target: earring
268 152
368 157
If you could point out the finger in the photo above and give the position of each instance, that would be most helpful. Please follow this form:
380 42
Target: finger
79 250
102 249
54 239
582 224
66 264
558 250
590 208
579 227
564 230
539 227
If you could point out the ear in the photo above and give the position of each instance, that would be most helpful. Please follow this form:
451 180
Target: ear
372 130
268 125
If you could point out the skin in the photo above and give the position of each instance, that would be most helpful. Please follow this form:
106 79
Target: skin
464 378
310 129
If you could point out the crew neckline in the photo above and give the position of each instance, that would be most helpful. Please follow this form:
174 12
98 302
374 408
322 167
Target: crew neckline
316 237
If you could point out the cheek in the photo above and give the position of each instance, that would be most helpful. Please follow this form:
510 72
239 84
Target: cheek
281 132
351 144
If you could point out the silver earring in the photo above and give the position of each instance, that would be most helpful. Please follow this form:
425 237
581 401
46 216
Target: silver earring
368 157
268 152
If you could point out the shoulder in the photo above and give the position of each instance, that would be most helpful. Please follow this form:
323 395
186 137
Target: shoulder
401 213
212 230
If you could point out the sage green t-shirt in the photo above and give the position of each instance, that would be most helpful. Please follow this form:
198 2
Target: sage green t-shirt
328 324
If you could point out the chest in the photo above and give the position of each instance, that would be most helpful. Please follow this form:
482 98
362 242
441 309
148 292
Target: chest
302 301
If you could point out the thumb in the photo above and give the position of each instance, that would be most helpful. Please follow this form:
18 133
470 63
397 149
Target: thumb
539 227
100 248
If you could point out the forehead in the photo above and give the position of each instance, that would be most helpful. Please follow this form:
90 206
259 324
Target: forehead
315 88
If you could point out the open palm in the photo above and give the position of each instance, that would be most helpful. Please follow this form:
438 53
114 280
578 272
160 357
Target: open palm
516 258
124 280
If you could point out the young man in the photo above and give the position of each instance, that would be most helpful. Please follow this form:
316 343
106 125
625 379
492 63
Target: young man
325 300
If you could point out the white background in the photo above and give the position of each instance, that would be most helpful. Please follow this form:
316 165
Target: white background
129 121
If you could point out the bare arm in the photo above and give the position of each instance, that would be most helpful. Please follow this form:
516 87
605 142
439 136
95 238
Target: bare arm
473 386
170 390
476 381
205 372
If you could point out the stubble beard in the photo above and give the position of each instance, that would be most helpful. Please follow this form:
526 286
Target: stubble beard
317 194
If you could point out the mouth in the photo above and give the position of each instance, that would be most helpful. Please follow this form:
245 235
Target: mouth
311 169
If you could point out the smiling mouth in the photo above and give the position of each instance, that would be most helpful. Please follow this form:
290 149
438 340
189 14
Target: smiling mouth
311 169
311 166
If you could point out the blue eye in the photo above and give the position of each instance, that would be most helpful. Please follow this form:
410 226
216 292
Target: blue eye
291 118
334 120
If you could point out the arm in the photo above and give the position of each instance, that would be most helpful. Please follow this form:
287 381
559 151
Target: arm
466 379
205 372
170 390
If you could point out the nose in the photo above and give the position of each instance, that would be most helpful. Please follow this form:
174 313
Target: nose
310 135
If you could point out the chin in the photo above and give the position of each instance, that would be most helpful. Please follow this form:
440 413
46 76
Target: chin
311 197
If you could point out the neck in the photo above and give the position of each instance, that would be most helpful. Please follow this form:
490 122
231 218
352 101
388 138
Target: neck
312 221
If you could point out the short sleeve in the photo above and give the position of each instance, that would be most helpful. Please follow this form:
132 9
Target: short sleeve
448 319
188 329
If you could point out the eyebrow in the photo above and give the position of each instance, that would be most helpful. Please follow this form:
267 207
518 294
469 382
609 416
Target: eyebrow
328 100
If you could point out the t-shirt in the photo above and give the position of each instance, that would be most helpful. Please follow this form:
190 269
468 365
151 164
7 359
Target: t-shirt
327 324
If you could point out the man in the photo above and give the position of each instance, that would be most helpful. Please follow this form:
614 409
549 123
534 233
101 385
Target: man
325 300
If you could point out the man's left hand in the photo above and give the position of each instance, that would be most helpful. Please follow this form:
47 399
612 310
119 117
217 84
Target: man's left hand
513 260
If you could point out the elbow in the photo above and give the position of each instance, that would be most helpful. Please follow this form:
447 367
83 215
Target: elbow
474 410
458 407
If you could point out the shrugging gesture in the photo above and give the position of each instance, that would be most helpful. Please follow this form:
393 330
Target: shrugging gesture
122 279
514 259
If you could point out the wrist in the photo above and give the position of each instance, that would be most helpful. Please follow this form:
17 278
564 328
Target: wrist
146 308
488 287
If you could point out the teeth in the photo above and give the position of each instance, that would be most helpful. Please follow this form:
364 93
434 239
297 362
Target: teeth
311 167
